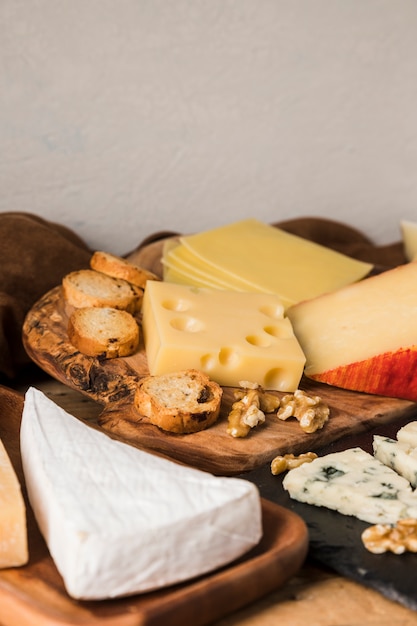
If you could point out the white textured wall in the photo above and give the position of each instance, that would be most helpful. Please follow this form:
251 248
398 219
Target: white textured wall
123 117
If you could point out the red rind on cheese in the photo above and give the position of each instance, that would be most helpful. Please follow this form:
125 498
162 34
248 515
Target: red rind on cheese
392 374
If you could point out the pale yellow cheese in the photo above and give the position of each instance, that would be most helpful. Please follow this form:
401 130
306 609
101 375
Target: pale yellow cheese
409 236
252 256
231 336
13 531
363 336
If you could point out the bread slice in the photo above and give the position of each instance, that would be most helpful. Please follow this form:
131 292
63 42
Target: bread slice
182 402
89 288
117 267
103 331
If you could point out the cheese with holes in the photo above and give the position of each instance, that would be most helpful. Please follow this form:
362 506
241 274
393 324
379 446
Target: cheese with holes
364 336
354 483
252 256
118 520
13 530
398 455
231 336
409 237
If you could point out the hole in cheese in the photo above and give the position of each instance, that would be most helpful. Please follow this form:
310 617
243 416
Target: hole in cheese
176 305
276 312
187 324
282 331
260 341
278 379
228 357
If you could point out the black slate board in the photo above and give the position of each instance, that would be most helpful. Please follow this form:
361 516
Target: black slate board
335 539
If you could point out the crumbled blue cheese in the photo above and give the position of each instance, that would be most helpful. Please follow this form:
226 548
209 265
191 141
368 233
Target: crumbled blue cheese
355 483
408 434
398 455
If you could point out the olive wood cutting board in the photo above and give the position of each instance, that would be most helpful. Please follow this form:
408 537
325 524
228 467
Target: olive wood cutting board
112 383
35 593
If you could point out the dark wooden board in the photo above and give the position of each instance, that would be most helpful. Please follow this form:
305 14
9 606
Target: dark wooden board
112 383
35 594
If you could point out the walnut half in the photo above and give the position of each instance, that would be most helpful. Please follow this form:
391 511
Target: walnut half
311 412
281 464
398 538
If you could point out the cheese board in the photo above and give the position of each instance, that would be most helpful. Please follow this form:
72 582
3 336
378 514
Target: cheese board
35 593
112 383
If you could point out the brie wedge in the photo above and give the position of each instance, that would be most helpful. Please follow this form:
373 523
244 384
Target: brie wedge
118 520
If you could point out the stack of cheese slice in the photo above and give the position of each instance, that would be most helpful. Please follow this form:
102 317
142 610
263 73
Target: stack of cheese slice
252 256
231 336
118 520
13 531
363 337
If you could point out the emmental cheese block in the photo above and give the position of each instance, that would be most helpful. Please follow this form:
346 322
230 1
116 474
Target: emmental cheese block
354 483
13 530
231 336
363 337
118 520
252 256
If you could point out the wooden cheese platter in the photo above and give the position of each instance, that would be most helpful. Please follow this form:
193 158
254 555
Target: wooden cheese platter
112 383
35 593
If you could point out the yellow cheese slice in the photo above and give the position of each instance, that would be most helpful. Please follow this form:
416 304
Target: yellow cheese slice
269 260
363 337
231 336
409 236
13 531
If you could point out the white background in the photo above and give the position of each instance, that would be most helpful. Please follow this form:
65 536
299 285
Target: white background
120 118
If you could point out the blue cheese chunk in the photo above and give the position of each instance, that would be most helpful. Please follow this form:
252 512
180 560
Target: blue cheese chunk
408 434
398 455
354 483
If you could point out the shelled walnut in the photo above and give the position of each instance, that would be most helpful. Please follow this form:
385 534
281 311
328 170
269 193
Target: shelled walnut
249 409
398 538
311 412
281 464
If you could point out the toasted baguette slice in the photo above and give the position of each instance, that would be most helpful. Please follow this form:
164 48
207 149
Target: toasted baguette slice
103 331
182 402
117 267
85 288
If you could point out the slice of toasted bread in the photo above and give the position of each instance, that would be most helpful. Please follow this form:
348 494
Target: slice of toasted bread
103 331
181 402
86 288
118 267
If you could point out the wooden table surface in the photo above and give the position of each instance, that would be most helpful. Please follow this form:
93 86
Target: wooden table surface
315 596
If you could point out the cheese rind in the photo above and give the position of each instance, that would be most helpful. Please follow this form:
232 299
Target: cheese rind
13 530
118 520
354 483
231 336
399 456
363 337
251 255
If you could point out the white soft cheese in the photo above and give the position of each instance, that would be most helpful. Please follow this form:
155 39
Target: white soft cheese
118 520
355 483
408 434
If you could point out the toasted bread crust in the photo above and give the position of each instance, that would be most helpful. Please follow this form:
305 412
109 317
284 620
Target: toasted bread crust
182 402
89 288
118 267
103 331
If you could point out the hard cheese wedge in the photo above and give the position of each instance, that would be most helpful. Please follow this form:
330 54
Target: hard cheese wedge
231 336
355 483
254 256
13 531
364 336
118 520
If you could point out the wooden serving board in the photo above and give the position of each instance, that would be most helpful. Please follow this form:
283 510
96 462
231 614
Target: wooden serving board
112 383
35 593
